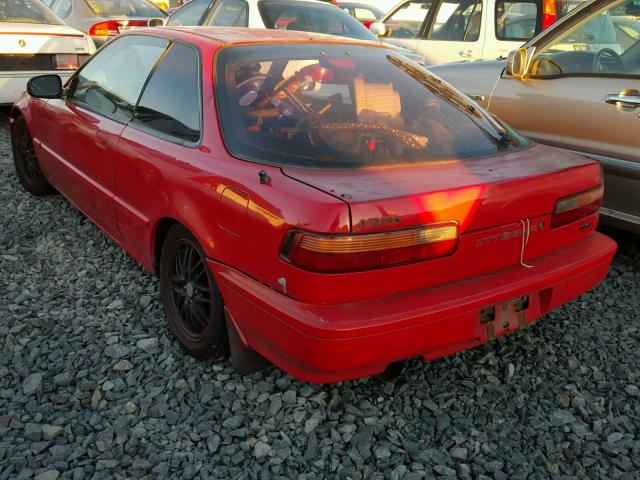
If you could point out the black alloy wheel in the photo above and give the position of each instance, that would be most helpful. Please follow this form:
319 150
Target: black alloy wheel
26 161
191 298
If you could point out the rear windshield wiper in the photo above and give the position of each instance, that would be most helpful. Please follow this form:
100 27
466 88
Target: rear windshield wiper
502 135
484 120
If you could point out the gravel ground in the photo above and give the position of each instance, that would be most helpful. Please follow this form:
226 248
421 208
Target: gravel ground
92 385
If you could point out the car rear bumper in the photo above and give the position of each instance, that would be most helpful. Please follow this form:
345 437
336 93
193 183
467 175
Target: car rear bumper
327 343
12 84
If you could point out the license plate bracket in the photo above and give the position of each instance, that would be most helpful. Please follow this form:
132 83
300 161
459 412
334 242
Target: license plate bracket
505 317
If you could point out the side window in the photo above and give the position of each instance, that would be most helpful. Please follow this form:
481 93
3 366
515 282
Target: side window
110 83
458 21
170 103
229 13
62 8
190 14
602 43
516 20
364 14
407 20
48 3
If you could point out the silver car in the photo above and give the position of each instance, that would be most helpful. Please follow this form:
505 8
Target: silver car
575 86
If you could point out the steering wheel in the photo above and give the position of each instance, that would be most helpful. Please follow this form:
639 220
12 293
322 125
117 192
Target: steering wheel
249 89
613 59
281 85
295 99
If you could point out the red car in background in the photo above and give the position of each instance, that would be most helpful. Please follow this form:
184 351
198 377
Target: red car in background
330 204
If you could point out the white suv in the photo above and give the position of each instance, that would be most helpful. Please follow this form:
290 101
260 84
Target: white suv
446 31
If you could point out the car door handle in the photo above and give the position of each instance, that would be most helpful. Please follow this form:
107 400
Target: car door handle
624 99
101 139
466 53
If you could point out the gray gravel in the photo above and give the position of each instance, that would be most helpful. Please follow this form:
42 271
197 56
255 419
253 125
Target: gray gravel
5 145
92 385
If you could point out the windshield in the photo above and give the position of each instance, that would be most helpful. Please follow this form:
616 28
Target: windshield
124 8
328 105
312 17
27 11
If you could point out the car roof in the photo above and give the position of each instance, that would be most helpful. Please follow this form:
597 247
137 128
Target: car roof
242 35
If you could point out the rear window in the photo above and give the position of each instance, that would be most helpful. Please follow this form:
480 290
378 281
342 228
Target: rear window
310 17
328 105
124 8
189 14
27 11
62 8
228 13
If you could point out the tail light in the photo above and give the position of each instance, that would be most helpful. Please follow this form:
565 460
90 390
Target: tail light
133 23
570 209
549 13
82 58
349 253
104 29
112 27
65 61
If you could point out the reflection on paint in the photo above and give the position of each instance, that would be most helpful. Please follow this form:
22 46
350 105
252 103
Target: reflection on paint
274 220
459 204
240 200
271 218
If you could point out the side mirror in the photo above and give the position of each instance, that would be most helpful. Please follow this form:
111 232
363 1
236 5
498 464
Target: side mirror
45 86
156 22
518 63
378 29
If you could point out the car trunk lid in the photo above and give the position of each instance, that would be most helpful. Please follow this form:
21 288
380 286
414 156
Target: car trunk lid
24 39
502 204
478 193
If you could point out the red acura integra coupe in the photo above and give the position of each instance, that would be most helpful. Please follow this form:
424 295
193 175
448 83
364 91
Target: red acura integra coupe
327 202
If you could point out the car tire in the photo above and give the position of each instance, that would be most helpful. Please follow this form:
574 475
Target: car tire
26 162
192 302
